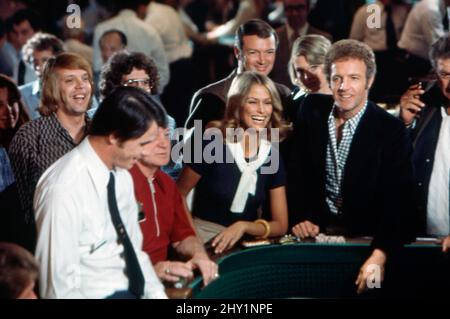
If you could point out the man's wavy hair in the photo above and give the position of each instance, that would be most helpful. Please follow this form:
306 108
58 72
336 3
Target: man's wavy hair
41 42
122 63
351 49
51 96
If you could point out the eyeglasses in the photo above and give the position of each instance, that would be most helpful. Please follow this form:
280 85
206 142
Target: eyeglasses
444 75
139 83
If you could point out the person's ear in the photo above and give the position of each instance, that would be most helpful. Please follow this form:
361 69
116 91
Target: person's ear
369 83
237 53
113 139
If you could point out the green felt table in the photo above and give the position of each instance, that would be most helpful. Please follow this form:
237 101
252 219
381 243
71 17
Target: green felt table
311 270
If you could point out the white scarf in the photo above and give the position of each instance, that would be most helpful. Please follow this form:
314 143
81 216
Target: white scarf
249 177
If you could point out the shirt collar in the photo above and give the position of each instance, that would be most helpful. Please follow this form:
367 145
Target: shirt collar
444 112
56 125
352 122
35 87
127 13
97 169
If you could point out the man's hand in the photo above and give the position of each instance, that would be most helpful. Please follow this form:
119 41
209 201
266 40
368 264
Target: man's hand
207 267
305 229
446 244
228 237
171 271
377 259
410 104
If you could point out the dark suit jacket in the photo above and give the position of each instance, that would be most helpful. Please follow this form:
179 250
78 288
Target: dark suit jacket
208 103
425 137
280 69
377 183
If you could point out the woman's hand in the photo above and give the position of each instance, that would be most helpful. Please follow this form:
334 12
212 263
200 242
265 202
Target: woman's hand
229 237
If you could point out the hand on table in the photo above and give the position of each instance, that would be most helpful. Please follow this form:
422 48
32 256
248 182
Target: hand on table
446 244
207 267
229 237
171 271
305 229
368 271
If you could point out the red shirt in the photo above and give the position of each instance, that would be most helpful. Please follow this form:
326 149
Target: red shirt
170 219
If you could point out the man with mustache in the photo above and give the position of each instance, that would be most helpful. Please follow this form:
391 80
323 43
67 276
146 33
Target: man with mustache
428 116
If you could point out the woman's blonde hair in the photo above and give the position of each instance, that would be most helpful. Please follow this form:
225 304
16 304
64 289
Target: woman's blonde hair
51 92
239 90
313 47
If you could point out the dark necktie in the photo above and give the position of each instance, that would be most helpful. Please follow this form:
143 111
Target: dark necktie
391 36
21 74
134 272
445 20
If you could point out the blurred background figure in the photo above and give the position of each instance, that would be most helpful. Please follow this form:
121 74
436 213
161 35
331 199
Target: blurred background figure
18 272
296 24
12 111
141 37
110 42
38 49
178 92
306 70
426 23
13 115
21 27
383 41
245 11
75 40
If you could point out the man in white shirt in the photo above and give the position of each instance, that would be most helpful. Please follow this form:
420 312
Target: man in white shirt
89 240
141 36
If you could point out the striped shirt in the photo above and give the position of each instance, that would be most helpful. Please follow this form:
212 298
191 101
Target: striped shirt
337 157
34 148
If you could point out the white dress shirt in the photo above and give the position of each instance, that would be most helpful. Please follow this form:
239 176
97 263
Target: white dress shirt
168 23
77 244
438 190
423 27
141 37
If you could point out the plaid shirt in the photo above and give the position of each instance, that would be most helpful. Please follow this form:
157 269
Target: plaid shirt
34 148
337 157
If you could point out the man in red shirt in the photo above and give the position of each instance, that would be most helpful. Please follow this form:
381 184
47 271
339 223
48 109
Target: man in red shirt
165 221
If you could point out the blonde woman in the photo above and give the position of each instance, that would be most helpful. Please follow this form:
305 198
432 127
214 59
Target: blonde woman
230 194
306 70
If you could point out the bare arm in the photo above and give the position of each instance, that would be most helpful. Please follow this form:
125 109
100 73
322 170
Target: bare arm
278 225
